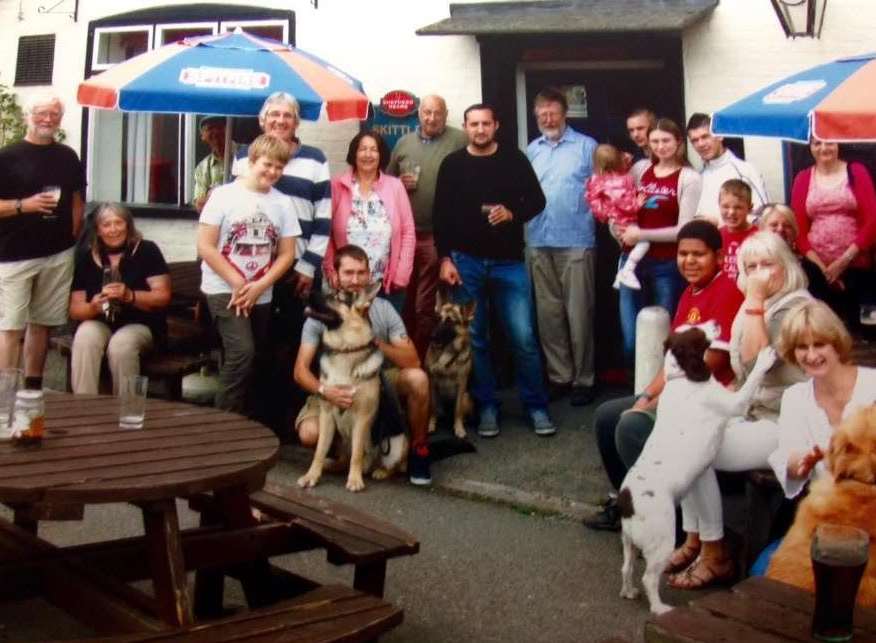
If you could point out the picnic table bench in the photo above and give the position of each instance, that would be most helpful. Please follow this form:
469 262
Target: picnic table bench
190 336
327 613
349 536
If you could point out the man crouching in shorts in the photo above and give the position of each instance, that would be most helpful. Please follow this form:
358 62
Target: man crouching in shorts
409 381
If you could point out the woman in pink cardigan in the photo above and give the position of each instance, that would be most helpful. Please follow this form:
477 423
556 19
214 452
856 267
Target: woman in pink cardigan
835 206
371 209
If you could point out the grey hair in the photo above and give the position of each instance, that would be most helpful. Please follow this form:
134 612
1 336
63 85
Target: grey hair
280 97
42 97
771 246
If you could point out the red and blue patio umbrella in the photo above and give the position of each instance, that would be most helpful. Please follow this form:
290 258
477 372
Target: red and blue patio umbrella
230 75
835 102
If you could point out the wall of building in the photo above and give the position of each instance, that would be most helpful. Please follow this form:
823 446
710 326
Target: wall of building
374 41
742 47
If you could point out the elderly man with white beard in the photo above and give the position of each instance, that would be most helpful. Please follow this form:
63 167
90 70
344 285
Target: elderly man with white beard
562 249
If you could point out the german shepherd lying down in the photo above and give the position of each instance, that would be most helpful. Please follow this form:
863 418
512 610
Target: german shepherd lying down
351 358
449 361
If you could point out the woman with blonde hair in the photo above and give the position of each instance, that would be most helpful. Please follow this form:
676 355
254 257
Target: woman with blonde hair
120 290
814 338
779 219
773 283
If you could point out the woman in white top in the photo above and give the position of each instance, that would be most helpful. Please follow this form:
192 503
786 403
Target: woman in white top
814 338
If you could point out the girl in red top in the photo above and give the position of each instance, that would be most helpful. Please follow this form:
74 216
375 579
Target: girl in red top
611 193
835 205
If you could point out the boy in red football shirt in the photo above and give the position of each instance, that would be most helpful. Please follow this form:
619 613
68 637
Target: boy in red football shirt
623 425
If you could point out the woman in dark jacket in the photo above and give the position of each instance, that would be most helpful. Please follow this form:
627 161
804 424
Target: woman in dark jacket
120 290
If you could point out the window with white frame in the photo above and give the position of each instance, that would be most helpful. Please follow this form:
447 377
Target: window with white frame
149 159
273 29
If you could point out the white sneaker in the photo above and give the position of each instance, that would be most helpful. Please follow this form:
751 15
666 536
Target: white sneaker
628 278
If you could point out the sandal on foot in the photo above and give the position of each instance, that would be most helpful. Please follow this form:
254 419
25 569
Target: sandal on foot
682 558
704 572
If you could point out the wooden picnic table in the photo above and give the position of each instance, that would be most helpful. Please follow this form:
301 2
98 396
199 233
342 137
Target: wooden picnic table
757 610
85 458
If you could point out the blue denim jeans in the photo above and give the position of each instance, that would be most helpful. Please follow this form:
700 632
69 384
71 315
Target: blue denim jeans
662 280
502 288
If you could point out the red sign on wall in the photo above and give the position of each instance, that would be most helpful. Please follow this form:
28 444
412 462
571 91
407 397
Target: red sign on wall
398 103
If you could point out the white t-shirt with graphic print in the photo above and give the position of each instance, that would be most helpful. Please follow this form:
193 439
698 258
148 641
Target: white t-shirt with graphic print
251 225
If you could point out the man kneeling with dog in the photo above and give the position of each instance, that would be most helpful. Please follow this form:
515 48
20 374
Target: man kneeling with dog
409 381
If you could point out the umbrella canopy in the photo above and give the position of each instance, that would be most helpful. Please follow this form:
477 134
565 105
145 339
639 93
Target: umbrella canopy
230 74
834 102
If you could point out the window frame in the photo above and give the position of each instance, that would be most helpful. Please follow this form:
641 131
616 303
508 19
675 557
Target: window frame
156 20
99 31
231 25
160 28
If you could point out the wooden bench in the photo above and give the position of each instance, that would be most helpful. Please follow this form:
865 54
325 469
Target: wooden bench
327 613
190 335
348 536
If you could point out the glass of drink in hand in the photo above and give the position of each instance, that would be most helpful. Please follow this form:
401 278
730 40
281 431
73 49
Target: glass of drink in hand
411 169
839 556
55 192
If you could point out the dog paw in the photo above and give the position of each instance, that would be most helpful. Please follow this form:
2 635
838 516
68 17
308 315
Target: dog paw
660 608
459 430
308 480
631 593
355 483
380 474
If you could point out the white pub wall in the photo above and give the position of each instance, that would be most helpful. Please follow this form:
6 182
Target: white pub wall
742 48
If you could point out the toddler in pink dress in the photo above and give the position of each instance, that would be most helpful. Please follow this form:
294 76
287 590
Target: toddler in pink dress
613 199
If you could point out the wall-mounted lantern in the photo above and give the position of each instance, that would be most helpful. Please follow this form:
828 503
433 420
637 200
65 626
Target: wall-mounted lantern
800 18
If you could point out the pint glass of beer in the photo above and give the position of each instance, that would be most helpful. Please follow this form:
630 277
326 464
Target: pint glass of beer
839 557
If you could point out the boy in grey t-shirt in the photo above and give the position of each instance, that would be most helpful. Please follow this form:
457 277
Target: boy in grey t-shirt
408 380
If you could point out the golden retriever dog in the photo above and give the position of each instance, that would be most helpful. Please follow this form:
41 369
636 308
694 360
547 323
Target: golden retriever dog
846 497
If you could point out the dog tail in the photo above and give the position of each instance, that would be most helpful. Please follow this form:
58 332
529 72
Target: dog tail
625 503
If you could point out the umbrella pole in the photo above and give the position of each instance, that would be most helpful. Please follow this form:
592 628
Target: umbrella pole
228 150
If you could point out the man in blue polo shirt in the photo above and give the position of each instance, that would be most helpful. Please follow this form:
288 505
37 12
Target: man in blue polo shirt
561 243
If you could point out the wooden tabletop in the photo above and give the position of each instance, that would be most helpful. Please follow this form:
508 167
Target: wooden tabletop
757 610
86 458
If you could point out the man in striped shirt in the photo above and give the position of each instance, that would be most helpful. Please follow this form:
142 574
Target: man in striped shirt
306 179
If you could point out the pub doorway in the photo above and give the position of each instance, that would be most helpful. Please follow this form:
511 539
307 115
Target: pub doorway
601 94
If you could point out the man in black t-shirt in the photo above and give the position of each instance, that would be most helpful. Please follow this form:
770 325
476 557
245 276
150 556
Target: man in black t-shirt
41 188
485 193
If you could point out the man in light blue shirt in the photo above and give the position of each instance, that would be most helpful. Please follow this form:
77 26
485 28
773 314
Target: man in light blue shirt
561 243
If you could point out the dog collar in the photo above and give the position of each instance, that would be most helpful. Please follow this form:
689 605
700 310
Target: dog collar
353 349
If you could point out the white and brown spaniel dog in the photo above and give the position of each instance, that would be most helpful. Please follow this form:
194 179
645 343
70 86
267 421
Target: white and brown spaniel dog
692 412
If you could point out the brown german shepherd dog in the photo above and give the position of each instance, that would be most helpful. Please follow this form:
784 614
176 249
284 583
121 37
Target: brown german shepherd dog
351 358
449 361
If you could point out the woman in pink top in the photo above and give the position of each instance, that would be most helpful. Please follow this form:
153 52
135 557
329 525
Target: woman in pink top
835 206
371 209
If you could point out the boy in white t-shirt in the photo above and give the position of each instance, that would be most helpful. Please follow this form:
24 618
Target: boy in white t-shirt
246 237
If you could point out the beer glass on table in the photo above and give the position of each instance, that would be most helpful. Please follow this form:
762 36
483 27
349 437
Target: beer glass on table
839 556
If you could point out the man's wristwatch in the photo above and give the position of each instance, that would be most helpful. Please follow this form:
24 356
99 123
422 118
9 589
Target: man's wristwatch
644 395
18 209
